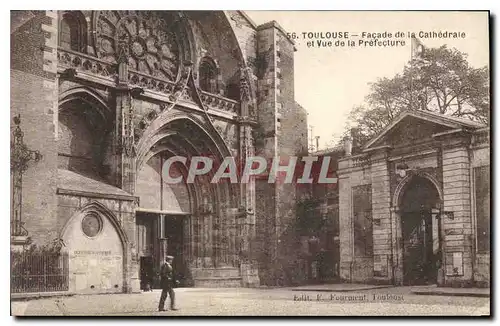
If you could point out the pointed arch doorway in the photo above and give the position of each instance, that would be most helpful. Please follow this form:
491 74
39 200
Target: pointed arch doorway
193 221
161 233
419 204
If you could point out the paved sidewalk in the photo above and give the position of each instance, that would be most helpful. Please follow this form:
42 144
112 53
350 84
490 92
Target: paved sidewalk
419 290
449 291
340 287
256 302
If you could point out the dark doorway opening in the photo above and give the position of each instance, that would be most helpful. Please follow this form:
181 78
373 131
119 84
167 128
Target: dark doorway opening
418 260
174 233
421 243
147 275
159 235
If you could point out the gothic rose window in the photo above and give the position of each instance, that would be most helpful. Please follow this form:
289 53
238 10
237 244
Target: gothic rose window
148 39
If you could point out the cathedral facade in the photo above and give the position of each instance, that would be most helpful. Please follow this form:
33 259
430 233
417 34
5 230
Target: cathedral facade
106 97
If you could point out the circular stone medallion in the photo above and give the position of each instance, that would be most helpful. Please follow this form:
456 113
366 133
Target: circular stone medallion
91 225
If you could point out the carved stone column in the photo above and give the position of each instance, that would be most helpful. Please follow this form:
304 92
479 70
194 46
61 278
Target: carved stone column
124 130
248 267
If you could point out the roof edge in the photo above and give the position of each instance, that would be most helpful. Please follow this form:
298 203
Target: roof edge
250 20
424 115
274 24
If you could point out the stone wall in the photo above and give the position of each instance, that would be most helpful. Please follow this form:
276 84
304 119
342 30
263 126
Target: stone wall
381 215
481 158
352 172
245 34
118 216
457 199
209 28
34 96
282 133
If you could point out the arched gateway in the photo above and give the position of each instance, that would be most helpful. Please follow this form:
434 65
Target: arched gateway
418 203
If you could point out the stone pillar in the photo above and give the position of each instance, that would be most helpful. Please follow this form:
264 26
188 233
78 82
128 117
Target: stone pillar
397 248
163 249
123 142
345 220
383 225
133 280
248 266
456 212
195 241
437 245
162 239
208 241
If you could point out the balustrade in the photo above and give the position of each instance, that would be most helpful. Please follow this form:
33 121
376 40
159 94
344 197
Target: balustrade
92 65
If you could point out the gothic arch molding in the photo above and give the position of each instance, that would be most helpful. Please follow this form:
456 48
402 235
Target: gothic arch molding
101 210
89 96
150 138
247 73
403 185
240 51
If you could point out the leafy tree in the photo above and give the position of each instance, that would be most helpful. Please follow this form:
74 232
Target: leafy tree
439 80
309 220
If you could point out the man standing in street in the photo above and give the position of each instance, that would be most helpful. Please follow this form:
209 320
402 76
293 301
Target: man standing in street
167 284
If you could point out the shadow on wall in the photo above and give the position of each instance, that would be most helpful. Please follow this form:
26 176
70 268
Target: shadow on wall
294 265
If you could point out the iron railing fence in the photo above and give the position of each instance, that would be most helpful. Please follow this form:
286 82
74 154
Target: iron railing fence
39 272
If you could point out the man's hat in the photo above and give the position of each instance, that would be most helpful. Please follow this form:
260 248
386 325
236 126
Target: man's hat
169 257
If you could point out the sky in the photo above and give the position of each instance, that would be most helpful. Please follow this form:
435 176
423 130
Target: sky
330 81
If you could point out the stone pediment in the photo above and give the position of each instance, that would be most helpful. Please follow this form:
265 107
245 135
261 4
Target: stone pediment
412 127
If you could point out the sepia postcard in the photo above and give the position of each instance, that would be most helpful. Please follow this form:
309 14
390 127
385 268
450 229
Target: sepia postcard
250 163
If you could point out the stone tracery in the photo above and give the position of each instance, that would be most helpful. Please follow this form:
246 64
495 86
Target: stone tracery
146 36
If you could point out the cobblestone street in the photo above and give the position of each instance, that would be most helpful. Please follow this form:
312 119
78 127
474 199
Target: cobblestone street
259 302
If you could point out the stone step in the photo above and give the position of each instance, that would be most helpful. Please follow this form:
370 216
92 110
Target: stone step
215 273
213 282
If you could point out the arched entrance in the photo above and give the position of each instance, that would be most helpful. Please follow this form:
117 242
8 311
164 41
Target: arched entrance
420 226
187 220
96 245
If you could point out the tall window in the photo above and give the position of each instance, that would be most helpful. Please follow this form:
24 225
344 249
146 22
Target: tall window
73 32
482 185
208 75
363 226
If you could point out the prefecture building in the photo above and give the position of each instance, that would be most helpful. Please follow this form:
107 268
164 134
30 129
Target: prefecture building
100 99
413 204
